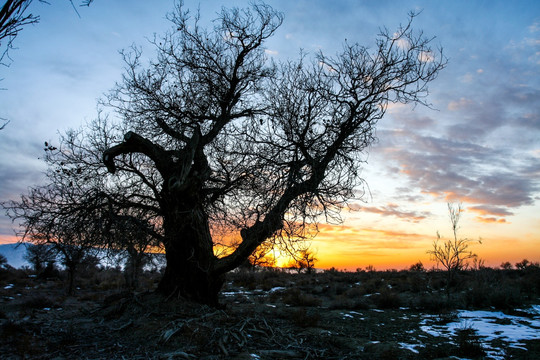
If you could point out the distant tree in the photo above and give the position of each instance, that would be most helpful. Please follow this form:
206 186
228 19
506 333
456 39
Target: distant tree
453 254
135 238
38 256
506 265
262 257
3 261
304 259
523 264
418 267
370 268
307 257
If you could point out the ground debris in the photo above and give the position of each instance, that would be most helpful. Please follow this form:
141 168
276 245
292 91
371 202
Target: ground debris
324 316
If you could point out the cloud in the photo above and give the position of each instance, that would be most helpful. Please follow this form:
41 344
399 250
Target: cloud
454 170
393 210
426 56
460 104
490 220
467 78
271 52
490 210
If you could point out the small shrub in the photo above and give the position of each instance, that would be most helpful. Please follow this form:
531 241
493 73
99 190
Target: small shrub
468 342
505 298
477 296
246 279
430 302
348 303
445 317
304 318
417 282
295 297
373 285
387 299
39 302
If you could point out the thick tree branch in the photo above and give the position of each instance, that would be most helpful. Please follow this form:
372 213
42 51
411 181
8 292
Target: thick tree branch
134 143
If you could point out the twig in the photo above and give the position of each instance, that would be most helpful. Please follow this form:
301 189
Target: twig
125 326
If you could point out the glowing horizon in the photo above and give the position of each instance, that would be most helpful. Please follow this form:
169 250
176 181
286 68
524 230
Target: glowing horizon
347 247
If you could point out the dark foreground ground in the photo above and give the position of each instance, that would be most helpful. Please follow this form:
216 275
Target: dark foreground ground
276 315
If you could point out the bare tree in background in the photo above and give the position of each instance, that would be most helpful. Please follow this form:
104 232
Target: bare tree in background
73 214
453 254
262 257
304 259
38 256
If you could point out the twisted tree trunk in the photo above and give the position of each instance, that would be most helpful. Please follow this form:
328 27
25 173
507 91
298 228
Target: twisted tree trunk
189 252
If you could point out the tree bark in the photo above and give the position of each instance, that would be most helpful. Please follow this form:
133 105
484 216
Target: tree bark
189 253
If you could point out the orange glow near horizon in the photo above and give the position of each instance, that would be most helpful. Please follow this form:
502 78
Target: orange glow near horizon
346 247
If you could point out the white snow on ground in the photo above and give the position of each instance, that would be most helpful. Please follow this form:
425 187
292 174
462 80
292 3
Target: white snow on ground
491 325
411 347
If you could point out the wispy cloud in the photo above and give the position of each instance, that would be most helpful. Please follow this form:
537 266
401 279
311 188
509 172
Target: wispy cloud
453 170
490 220
393 210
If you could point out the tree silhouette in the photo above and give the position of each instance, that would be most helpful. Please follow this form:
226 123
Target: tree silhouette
213 137
228 138
77 211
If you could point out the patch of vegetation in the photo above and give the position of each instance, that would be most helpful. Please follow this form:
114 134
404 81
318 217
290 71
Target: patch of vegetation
275 314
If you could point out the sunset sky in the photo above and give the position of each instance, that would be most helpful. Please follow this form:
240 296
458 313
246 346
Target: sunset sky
479 144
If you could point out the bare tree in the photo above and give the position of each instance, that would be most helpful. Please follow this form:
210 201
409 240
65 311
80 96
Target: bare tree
453 254
304 259
214 137
224 137
73 214
39 256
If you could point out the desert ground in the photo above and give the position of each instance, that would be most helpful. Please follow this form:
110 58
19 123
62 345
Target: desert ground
273 314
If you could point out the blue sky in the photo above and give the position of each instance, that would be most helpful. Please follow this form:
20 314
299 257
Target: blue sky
480 144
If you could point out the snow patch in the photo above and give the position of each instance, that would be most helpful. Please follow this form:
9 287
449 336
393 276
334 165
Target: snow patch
411 347
489 325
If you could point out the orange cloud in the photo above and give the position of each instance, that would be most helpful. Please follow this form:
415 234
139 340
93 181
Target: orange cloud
489 220
490 210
